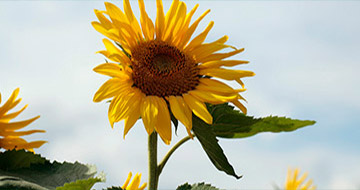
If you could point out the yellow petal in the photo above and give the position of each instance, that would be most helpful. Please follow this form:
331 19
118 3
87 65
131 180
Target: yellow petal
146 23
181 111
217 86
134 111
101 29
10 103
220 63
134 184
206 50
198 40
112 70
219 56
114 34
31 145
0 98
125 104
226 73
160 20
127 181
132 19
198 108
103 20
170 19
295 176
115 53
180 22
131 119
115 13
149 111
307 185
211 97
191 30
11 142
143 186
114 102
19 143
17 125
111 88
15 103
176 24
240 106
121 22
163 123
19 133
8 117
182 31
240 82
302 179
171 12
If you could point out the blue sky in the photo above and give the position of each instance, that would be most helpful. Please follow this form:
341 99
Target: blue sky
305 55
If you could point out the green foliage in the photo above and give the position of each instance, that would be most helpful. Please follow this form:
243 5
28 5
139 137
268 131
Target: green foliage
114 188
15 183
12 159
198 186
84 184
230 123
208 141
174 121
184 186
26 170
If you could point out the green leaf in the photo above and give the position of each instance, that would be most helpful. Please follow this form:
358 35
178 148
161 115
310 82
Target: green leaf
114 188
12 159
184 186
22 167
230 123
174 121
84 184
15 183
208 141
203 186
198 186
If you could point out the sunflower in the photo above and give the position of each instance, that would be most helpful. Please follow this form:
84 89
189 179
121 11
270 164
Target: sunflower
293 183
11 138
135 183
158 70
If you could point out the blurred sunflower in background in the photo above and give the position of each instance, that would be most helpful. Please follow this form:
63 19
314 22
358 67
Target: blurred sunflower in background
134 184
296 182
10 138
163 70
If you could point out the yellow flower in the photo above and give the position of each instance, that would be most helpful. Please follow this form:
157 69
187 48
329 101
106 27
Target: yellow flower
161 70
134 185
11 138
293 183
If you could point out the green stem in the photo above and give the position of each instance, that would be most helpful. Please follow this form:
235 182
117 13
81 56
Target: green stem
153 173
171 151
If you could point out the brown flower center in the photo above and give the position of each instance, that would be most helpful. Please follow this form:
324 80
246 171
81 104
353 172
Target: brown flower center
163 70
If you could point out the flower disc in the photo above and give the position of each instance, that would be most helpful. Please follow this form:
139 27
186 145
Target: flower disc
162 70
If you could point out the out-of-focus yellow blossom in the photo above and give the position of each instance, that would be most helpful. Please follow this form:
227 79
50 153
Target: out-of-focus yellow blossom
10 137
296 182
134 184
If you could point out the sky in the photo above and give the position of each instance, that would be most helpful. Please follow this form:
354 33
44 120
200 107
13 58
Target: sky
305 56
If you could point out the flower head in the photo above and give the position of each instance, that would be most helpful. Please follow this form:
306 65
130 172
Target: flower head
10 137
295 183
159 70
134 184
